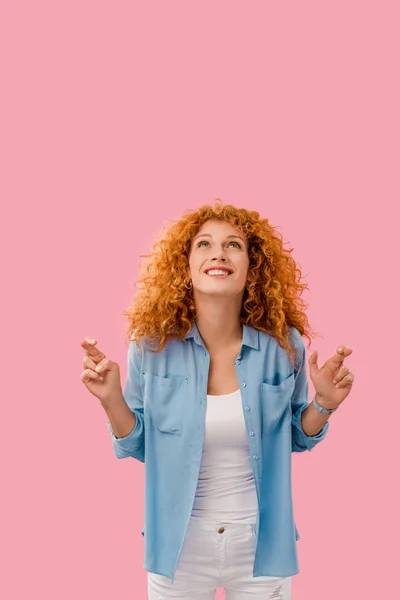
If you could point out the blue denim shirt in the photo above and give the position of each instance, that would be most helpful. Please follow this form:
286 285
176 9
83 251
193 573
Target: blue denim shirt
167 391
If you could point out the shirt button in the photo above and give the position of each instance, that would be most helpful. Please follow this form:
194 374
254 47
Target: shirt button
255 457
221 530
246 408
185 377
244 384
251 432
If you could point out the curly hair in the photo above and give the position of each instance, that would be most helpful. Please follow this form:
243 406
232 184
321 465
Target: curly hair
164 307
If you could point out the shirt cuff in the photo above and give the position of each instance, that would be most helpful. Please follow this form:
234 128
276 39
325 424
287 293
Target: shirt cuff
309 441
128 445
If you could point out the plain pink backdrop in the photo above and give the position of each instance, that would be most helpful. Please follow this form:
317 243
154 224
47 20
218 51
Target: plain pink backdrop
117 116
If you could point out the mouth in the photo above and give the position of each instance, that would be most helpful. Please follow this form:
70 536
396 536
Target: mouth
218 273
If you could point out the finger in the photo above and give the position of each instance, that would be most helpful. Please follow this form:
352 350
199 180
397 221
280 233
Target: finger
88 363
348 380
104 365
342 373
89 346
90 375
313 361
343 351
337 359
90 341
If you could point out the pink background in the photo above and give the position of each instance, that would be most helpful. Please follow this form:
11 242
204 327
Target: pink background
117 116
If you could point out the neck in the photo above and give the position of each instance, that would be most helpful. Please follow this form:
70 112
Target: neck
219 324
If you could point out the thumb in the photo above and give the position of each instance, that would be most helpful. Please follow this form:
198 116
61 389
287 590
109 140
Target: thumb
313 361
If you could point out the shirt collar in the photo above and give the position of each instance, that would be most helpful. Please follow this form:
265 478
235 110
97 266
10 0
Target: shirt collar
250 336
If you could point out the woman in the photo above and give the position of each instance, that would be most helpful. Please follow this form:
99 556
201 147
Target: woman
215 402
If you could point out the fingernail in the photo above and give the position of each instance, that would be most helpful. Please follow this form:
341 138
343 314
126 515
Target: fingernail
92 341
340 349
99 368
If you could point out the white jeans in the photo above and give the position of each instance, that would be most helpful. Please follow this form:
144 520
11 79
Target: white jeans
210 560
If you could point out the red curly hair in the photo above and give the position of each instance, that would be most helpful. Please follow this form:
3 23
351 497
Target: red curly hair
164 308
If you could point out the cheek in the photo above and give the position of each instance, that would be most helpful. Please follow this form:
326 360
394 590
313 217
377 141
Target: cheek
194 264
243 265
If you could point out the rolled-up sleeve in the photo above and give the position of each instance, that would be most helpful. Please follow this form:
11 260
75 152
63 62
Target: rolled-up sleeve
299 401
134 443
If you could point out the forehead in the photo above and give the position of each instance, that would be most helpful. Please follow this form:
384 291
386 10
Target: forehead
214 227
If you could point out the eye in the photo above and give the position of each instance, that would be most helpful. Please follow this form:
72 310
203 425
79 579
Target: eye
205 242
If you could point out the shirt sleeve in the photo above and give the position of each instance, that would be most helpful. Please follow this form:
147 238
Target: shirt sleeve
134 443
299 401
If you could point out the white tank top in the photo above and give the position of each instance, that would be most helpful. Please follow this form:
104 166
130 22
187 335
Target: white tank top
226 490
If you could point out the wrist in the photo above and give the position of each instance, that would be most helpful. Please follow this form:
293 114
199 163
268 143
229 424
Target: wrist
115 399
322 405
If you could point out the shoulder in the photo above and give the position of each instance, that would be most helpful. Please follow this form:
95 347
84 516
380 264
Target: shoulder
136 346
295 338
297 342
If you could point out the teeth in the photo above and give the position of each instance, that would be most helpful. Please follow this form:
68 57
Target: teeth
217 272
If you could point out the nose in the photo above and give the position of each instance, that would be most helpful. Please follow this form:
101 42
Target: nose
220 256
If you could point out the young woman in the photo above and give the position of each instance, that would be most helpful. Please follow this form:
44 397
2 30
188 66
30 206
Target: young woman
215 402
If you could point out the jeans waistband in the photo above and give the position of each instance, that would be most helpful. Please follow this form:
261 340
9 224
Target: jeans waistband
219 527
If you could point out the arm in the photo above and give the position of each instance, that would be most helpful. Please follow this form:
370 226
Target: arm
304 422
122 419
312 420
126 414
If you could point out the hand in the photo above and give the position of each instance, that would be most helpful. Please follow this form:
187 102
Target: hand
107 384
333 381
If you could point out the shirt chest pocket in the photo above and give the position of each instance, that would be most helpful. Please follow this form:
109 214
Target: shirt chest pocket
276 406
165 399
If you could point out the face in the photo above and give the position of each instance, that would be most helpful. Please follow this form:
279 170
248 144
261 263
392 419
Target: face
219 244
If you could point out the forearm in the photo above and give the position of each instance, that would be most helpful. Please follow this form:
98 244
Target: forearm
313 421
121 418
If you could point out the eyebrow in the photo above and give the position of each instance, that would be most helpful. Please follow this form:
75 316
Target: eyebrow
228 236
